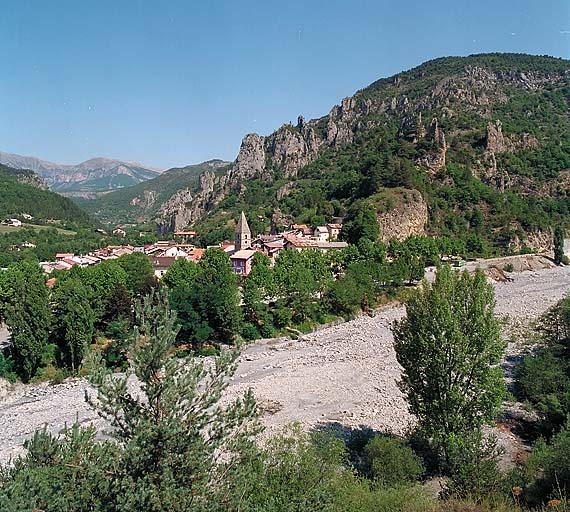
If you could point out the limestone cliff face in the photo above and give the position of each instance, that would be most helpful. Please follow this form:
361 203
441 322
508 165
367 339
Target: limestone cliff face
498 143
538 241
291 148
250 161
187 206
434 158
406 217
342 120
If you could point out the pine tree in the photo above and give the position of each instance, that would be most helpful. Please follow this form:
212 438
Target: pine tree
178 443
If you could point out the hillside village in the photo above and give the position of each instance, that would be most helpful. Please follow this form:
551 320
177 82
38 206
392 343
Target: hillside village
164 253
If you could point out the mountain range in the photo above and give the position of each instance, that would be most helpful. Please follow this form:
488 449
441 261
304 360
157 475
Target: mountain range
475 147
86 179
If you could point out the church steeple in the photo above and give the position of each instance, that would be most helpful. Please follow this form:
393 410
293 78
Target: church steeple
243 234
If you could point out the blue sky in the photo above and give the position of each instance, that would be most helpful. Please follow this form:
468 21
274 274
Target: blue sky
176 82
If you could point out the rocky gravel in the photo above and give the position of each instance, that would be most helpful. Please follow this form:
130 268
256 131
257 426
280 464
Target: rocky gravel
345 374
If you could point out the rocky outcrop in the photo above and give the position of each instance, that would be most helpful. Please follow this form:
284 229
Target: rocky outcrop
341 120
284 191
496 143
145 201
403 216
176 213
291 148
250 161
538 241
280 221
434 158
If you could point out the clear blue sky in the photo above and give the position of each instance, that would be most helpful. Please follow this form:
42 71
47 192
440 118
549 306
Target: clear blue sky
176 82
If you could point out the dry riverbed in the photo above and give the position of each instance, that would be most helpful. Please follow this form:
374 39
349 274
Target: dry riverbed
344 374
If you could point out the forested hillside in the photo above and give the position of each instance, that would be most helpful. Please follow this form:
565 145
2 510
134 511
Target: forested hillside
144 201
20 193
482 144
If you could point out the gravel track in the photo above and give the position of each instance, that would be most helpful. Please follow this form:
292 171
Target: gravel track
344 374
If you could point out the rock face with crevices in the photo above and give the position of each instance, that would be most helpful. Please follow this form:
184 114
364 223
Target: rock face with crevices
406 216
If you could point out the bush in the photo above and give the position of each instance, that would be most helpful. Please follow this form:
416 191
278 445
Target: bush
249 331
473 470
509 267
547 470
51 374
7 369
391 462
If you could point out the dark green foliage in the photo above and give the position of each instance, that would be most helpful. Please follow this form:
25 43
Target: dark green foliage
24 307
391 462
17 197
180 273
74 321
138 269
547 471
118 307
209 306
473 467
7 368
558 245
449 346
361 223
543 377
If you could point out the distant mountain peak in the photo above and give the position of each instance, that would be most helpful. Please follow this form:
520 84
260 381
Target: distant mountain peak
93 176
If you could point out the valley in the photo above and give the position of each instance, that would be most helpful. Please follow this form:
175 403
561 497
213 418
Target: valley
342 376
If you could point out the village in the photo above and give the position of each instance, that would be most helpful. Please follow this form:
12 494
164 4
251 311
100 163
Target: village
164 253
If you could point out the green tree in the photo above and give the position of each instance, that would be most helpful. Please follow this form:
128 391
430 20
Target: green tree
361 222
119 306
74 321
215 295
181 272
101 280
449 346
558 245
178 442
138 268
24 307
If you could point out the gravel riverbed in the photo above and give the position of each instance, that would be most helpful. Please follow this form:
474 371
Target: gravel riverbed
345 374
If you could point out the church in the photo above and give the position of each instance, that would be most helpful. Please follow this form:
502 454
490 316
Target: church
242 258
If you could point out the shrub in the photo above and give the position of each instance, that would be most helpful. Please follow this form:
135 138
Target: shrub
7 369
473 470
509 267
249 331
390 461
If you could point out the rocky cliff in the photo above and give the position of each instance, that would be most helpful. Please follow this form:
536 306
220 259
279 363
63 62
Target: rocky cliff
402 214
502 120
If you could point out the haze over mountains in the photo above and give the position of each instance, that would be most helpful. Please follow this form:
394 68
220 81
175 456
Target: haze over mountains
87 179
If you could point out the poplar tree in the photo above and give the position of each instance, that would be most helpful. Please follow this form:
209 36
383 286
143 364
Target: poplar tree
449 346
